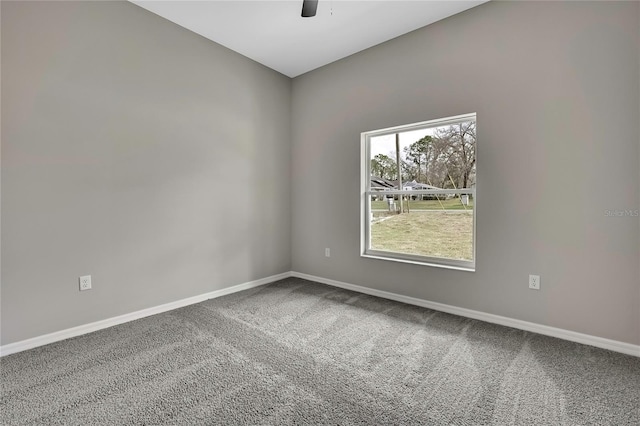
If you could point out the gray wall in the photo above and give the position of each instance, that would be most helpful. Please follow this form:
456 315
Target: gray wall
138 152
555 87
163 164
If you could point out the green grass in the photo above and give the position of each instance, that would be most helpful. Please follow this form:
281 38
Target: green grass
434 234
450 204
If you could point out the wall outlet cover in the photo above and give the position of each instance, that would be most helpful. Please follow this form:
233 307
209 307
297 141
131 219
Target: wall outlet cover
85 282
534 282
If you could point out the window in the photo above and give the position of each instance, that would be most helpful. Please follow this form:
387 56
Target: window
419 192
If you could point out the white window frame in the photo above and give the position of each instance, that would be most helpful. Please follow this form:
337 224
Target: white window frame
366 194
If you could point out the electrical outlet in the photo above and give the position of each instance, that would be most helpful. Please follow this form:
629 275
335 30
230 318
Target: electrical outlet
534 282
85 282
327 252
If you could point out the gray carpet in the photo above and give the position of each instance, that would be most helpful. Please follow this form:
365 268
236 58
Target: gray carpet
296 352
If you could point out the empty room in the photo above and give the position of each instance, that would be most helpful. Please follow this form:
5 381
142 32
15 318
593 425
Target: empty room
320 212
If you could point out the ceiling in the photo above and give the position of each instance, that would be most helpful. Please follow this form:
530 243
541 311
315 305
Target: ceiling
274 34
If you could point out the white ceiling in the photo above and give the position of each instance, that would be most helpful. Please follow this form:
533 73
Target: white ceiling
274 34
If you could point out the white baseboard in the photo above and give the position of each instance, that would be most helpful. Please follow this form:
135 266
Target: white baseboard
599 342
110 322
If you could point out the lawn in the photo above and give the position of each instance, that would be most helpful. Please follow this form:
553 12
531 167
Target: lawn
426 233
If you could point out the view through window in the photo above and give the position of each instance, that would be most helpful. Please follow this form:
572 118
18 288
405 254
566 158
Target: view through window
419 196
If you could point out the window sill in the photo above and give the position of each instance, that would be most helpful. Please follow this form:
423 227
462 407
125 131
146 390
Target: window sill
418 262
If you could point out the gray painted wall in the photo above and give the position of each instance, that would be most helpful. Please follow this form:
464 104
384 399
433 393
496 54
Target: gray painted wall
163 164
138 152
555 87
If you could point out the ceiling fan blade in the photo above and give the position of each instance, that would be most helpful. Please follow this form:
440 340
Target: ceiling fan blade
309 8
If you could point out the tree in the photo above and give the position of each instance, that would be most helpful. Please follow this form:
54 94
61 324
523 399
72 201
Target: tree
384 167
418 156
458 149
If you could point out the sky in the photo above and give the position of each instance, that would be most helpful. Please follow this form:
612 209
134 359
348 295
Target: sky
387 144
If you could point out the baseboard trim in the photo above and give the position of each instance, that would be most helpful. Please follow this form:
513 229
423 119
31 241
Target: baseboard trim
599 342
110 322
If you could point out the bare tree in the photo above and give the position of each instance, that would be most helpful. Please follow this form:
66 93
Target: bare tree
457 149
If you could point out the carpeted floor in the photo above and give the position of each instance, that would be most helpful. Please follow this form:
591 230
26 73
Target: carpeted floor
296 352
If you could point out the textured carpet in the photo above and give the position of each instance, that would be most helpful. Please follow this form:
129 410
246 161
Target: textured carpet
296 352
